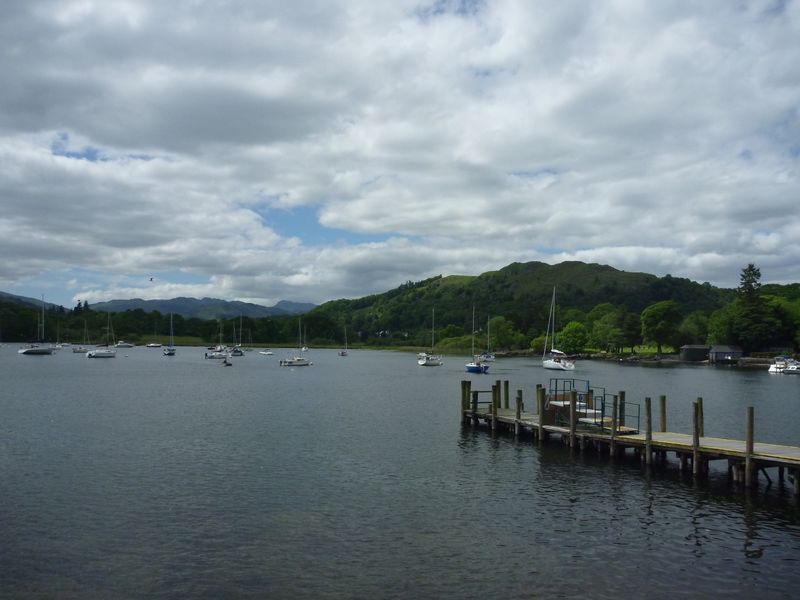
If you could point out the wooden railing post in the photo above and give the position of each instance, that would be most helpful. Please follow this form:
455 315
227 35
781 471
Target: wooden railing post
648 432
700 416
505 394
540 400
695 439
613 444
621 419
518 414
474 408
662 407
573 401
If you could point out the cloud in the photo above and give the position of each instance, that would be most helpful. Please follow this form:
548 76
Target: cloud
428 138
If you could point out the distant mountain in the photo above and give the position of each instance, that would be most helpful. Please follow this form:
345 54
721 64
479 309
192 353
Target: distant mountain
35 302
206 308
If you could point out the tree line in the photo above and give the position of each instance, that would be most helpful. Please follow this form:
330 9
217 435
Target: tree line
750 318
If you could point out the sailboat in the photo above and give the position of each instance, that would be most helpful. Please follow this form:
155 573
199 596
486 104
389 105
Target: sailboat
475 365
556 360
35 348
343 351
429 359
170 350
104 351
487 356
84 347
298 360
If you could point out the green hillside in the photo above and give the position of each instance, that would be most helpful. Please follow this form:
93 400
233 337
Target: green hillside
520 292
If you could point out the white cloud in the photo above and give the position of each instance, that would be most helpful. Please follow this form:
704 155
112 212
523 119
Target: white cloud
458 137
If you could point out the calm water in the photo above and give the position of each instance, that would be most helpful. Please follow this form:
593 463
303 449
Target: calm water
144 476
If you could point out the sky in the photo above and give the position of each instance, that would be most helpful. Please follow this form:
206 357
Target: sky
314 150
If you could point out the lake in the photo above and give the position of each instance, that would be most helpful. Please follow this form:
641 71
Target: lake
152 477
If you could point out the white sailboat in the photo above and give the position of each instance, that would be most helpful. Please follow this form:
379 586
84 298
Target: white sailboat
298 360
105 351
83 348
343 351
37 348
475 365
555 359
170 350
429 359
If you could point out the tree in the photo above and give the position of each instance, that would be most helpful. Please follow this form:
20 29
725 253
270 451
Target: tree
660 323
749 284
573 337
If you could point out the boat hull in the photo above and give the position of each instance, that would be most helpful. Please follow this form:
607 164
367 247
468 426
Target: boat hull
476 368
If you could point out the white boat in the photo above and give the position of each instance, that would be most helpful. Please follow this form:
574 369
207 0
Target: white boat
153 345
105 351
123 344
35 348
430 359
170 350
475 365
555 359
298 360
784 364
266 352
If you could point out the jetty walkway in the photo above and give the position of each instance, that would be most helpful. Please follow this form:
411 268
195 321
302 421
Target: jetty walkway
586 417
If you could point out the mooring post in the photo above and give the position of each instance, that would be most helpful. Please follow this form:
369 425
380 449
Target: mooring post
612 447
621 419
466 392
662 407
573 402
695 439
700 416
505 394
540 399
494 408
648 433
749 470
475 408
517 424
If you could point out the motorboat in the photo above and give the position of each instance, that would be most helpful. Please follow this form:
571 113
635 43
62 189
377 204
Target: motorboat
784 364
104 352
36 349
429 360
295 361
123 344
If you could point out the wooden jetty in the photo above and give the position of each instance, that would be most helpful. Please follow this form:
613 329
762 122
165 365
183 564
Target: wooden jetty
586 417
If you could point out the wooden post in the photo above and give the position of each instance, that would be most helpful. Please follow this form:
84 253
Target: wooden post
505 394
614 411
648 433
573 401
695 439
797 483
475 408
466 387
700 417
621 420
662 406
589 399
496 401
749 467
519 413
540 399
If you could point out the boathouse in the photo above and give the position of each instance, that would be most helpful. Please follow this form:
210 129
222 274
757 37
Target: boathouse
694 352
721 353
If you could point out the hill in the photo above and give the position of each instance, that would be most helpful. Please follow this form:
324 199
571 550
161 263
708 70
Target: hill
521 293
205 308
